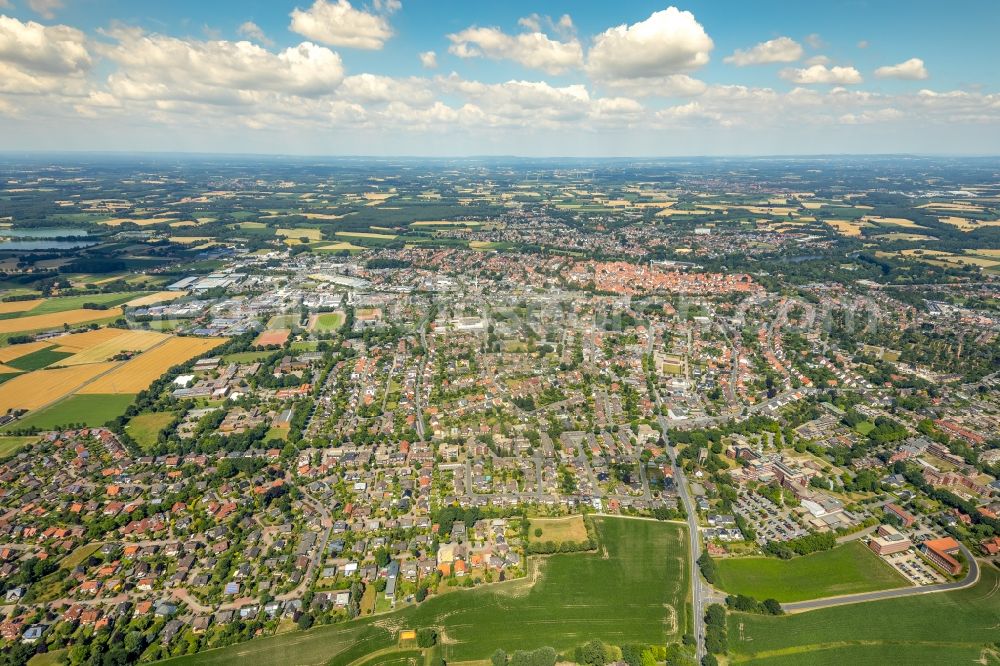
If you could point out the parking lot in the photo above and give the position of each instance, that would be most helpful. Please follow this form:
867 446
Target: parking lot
914 568
769 521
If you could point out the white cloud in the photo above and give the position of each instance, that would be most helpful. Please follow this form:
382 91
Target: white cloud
822 74
45 8
429 60
158 67
818 60
375 89
35 58
535 50
672 85
910 70
668 42
868 117
815 41
251 30
387 6
779 49
340 24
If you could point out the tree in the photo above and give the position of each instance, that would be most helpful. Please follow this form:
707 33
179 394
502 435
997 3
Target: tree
593 653
305 621
426 637
499 658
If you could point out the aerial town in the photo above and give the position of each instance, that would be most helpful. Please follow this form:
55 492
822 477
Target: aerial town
341 414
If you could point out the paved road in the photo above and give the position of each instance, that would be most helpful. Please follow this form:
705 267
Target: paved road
694 545
971 578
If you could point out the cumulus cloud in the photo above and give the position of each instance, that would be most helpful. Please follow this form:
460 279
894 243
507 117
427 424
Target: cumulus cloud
533 49
910 70
429 60
45 8
37 58
340 24
668 42
376 89
152 66
251 30
868 117
822 74
672 85
779 49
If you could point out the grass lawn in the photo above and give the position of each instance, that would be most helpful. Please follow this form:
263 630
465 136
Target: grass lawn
79 555
944 628
39 359
283 321
570 528
246 357
145 428
90 410
846 569
51 658
12 444
633 590
864 427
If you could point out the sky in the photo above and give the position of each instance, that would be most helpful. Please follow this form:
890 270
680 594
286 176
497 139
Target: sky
531 78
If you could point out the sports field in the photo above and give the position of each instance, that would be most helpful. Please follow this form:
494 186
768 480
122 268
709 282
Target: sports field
632 590
846 569
946 628
328 321
278 337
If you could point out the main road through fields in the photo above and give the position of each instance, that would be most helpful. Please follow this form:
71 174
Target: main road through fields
971 578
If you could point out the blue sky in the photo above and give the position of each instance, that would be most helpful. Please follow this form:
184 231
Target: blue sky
531 78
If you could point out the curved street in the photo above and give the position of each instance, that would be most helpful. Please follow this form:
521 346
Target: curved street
971 578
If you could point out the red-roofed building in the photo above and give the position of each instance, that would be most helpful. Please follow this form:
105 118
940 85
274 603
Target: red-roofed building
940 552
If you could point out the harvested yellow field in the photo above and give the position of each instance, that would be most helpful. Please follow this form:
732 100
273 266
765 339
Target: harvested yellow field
362 234
894 221
812 205
153 299
142 222
901 236
55 320
20 306
965 224
311 234
846 227
126 341
8 370
379 196
341 246
190 240
985 253
321 216
17 351
138 373
443 223
41 387
77 342
963 207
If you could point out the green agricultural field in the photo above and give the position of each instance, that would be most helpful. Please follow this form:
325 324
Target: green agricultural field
12 444
633 590
846 569
65 303
246 357
145 428
944 628
90 410
39 359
